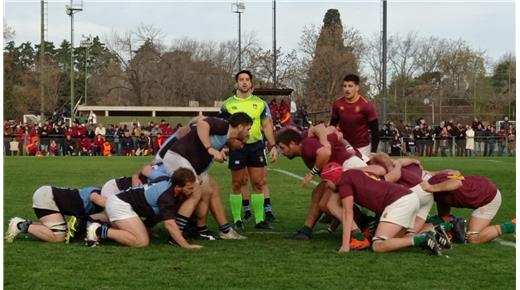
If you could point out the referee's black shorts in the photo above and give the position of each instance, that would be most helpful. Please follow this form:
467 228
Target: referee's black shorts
251 155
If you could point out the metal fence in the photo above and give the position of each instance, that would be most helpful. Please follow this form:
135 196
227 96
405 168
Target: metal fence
448 147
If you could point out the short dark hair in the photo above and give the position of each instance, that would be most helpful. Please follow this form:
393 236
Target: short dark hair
351 78
182 176
244 71
240 118
287 135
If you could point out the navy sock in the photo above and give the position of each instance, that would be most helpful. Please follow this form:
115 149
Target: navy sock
225 228
203 230
245 205
104 231
181 221
24 226
267 205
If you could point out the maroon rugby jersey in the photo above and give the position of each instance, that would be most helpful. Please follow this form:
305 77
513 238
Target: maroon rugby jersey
369 191
476 191
311 144
353 118
411 175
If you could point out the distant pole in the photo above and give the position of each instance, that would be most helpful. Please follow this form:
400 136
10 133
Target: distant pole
42 61
86 43
274 44
383 77
70 11
239 8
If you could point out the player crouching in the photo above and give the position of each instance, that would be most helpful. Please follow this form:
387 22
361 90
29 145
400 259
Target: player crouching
395 204
50 205
125 210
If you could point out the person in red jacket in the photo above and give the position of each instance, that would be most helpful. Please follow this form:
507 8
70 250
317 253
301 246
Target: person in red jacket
85 147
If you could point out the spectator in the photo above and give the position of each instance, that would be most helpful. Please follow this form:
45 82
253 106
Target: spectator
501 140
98 145
470 141
505 124
100 130
460 139
33 148
395 146
410 145
428 140
107 149
491 140
143 147
127 145
294 110
159 140
479 140
511 143
444 141
69 146
92 118
437 137
418 136
476 123
90 133
53 148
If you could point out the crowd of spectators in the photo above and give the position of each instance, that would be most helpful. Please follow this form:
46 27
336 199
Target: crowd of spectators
88 138
449 138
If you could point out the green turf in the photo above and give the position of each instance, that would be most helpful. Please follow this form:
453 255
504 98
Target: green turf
267 260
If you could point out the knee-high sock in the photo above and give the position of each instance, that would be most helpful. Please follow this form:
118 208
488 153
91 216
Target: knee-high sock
257 201
236 206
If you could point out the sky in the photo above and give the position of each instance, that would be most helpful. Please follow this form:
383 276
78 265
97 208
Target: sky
487 26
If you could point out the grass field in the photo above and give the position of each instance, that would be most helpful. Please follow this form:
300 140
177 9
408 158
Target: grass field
264 260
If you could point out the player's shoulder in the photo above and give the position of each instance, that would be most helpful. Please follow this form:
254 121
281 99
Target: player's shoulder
364 99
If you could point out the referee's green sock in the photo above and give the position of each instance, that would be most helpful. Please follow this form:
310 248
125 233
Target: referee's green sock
257 201
236 206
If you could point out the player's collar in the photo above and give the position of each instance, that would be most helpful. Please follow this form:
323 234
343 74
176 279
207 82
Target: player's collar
356 98
241 99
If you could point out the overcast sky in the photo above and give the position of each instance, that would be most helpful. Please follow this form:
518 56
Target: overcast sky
488 26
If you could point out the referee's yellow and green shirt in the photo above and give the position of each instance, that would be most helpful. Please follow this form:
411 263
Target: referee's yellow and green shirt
255 107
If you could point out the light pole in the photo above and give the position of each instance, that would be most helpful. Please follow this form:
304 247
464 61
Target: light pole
274 44
239 8
70 10
427 102
86 43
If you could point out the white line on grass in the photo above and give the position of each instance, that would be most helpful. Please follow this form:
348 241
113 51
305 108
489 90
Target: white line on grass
506 243
500 241
291 174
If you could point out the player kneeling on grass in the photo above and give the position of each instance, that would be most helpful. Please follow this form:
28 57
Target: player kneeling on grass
475 192
125 210
395 204
50 205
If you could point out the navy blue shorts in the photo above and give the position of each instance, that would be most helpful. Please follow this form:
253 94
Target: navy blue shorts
252 155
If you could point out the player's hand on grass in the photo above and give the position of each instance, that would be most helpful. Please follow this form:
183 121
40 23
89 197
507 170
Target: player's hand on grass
344 249
273 154
193 247
307 179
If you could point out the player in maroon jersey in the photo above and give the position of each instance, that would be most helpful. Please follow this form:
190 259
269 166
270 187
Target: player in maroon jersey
356 116
475 192
395 204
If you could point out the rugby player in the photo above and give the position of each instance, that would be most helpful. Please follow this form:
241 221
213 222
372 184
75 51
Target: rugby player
317 147
356 116
51 204
474 192
204 142
126 209
395 204
251 157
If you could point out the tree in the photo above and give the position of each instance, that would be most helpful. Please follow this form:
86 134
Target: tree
331 61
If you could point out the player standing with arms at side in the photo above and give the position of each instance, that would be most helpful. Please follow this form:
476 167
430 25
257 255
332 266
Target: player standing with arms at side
251 157
356 116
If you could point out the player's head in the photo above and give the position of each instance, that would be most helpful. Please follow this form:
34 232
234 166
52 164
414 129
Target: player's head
244 79
332 172
183 180
240 123
350 86
289 141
